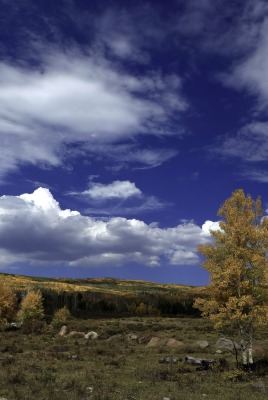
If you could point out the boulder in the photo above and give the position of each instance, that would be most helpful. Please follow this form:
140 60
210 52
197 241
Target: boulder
174 343
226 344
76 334
156 342
118 337
63 330
168 360
144 339
201 361
91 335
202 343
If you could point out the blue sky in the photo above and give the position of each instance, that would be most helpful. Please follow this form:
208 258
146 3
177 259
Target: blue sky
124 125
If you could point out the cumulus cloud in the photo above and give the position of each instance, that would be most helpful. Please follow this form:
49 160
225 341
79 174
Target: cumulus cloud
34 229
116 189
210 226
117 198
78 99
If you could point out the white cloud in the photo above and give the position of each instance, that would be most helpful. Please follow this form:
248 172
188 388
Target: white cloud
151 158
141 205
117 198
250 143
122 154
34 229
210 226
78 99
252 72
116 189
256 175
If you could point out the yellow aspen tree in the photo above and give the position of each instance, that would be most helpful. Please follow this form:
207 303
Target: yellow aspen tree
8 303
238 268
31 308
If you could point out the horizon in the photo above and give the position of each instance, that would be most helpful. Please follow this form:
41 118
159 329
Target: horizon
62 278
123 130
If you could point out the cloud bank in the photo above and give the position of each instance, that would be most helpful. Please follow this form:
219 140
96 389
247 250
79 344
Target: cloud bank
35 230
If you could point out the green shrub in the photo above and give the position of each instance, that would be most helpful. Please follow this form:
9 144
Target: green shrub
235 375
61 317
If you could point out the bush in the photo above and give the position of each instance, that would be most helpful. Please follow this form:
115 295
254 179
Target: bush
235 375
61 317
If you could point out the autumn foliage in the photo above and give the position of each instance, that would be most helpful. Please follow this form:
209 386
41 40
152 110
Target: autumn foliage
238 268
61 317
31 308
8 303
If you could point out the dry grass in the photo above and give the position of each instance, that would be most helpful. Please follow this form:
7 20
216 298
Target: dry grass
46 366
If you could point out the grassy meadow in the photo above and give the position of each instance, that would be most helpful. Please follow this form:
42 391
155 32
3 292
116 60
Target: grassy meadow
43 365
46 366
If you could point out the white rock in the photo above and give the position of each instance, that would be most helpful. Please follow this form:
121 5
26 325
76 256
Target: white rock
91 335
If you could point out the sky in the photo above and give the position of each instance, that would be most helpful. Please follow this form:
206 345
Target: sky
124 126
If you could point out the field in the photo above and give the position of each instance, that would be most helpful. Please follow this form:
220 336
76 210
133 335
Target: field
46 366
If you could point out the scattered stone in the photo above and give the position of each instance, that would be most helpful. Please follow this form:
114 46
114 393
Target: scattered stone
156 342
89 389
91 335
226 344
63 330
166 398
76 334
144 339
218 352
131 337
202 343
168 360
200 361
115 337
174 343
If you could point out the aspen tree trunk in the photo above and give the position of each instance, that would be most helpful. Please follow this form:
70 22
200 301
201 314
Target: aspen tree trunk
243 347
250 348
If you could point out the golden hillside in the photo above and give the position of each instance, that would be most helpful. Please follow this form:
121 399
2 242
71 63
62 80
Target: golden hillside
103 285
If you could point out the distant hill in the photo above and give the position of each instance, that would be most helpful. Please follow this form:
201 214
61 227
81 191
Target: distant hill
109 296
105 285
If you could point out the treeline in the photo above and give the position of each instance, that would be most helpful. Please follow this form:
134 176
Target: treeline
90 303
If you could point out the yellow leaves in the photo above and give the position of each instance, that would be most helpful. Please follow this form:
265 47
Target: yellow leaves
260 315
237 264
61 317
31 307
8 302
